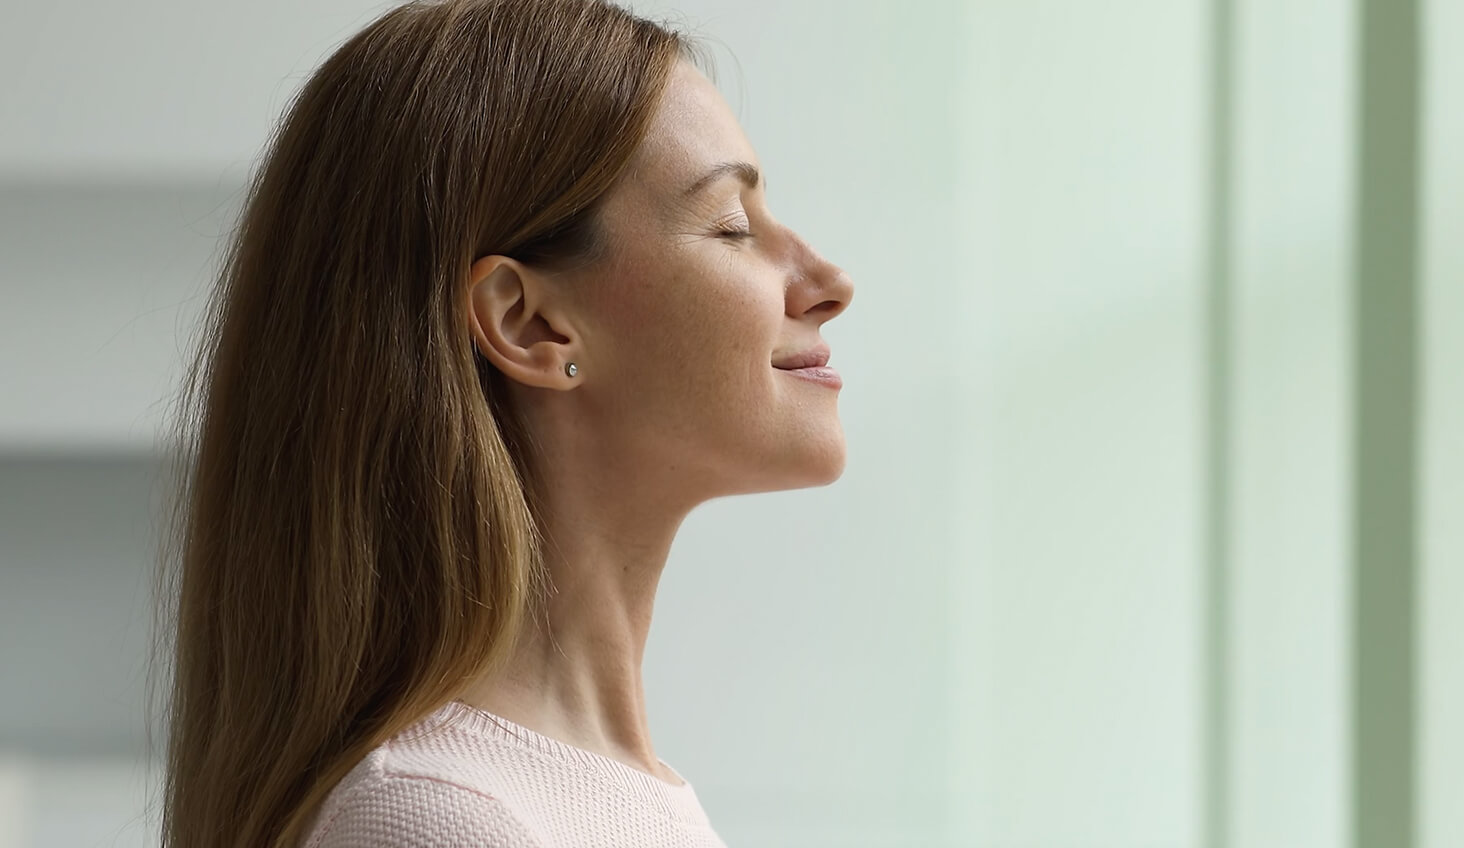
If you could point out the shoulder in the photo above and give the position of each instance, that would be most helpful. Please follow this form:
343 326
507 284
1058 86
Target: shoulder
379 807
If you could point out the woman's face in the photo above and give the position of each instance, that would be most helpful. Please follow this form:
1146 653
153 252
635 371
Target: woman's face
680 325
694 318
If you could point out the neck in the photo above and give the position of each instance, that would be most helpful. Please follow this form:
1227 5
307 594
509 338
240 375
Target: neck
575 675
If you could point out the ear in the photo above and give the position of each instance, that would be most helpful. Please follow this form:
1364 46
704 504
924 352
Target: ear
513 317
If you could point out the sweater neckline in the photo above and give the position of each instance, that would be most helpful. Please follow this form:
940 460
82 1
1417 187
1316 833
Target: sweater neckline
678 798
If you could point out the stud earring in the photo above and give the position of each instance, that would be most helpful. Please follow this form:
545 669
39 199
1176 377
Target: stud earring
571 369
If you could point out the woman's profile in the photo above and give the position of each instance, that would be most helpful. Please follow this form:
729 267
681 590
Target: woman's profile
504 304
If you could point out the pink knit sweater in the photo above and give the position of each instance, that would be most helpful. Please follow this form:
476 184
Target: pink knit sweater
465 777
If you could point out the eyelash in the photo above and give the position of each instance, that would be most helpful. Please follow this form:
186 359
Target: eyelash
735 234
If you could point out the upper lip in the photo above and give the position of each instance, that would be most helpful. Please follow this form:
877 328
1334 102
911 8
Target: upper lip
814 357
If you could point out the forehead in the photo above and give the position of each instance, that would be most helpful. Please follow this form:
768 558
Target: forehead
692 130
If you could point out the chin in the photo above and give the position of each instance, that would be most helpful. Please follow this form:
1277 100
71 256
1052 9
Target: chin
800 459
836 472
822 467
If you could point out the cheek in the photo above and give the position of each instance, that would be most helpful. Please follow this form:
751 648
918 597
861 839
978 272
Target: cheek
732 330
696 329
635 324
693 305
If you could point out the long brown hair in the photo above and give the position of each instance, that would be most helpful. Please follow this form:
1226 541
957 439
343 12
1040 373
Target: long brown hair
353 530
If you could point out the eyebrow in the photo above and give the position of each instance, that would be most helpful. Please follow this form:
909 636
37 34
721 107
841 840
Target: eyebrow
745 171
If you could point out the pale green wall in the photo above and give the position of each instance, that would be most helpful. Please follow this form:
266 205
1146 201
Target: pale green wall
1289 431
1155 628
1441 748
1076 668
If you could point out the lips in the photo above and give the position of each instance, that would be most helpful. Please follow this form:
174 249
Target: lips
815 357
827 376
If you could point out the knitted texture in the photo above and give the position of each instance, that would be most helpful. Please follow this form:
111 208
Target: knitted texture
466 777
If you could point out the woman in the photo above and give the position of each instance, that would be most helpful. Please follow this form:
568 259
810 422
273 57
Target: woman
505 303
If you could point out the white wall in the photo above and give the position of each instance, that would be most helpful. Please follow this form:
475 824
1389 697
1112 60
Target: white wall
155 88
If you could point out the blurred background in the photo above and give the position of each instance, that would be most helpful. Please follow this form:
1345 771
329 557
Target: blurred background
1152 529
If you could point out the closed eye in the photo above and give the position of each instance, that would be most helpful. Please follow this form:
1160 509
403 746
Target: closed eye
736 228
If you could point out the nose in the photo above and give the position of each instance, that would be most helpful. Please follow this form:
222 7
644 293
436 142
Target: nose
822 287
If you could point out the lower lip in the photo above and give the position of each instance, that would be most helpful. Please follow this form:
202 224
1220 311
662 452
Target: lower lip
827 376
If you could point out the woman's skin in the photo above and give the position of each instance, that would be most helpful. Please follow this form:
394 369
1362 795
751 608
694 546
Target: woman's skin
676 402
